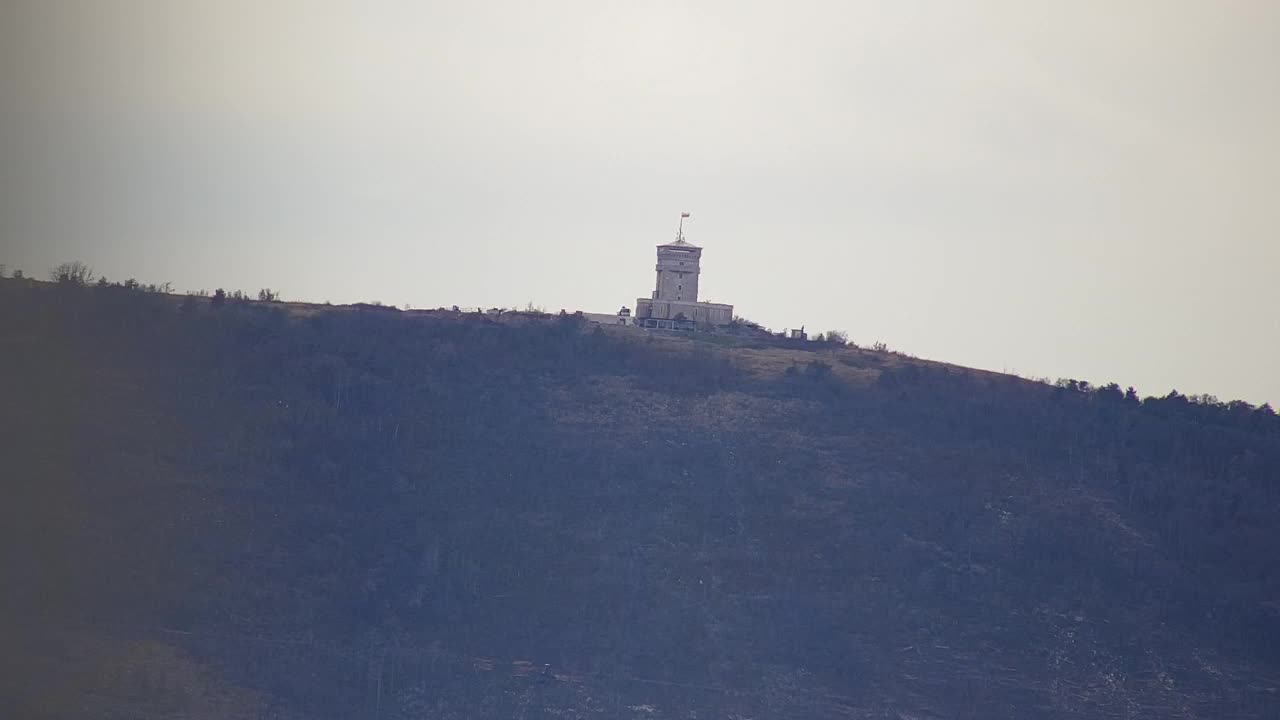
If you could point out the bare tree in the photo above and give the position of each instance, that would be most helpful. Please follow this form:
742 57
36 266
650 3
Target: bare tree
76 273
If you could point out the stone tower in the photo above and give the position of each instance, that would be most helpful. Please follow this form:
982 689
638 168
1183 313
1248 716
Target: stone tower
674 304
678 271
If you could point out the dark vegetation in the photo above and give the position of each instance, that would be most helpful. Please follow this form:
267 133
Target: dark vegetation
217 507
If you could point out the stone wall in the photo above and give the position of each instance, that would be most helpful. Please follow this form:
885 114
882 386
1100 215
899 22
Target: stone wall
701 313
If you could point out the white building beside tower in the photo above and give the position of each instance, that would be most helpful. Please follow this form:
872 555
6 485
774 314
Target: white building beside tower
674 303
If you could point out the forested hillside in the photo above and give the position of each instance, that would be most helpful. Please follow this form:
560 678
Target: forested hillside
241 509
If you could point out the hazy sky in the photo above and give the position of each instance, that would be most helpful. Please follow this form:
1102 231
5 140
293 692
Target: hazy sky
1082 189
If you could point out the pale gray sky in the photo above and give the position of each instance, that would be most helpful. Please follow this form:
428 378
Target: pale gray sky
1082 189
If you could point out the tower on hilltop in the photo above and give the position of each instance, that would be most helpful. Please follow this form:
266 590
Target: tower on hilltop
678 268
674 303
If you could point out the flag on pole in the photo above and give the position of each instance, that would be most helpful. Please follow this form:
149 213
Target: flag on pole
684 215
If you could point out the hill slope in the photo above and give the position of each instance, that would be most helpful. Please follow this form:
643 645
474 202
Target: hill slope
259 510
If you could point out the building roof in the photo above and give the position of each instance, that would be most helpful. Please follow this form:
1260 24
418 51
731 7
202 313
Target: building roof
681 243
